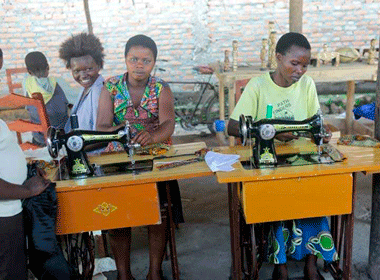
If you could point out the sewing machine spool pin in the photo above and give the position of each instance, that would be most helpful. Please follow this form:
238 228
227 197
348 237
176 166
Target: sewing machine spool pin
265 130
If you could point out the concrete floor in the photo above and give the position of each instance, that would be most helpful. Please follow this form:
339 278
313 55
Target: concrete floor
203 241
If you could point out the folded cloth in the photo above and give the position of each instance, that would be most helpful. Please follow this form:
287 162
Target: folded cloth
359 140
220 162
367 111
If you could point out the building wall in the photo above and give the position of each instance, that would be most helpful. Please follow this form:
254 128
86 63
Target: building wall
187 32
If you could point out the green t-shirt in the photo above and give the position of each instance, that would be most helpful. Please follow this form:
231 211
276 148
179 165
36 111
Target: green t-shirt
297 102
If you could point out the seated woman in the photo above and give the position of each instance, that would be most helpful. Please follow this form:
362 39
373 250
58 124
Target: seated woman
147 103
293 96
83 55
53 90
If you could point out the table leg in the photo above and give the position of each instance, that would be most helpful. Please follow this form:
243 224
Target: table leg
172 246
234 205
231 106
349 233
79 251
350 106
88 271
221 99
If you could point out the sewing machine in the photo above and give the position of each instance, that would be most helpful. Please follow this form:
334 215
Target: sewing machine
76 140
265 130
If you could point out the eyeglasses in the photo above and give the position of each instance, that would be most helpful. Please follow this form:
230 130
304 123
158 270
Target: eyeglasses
134 60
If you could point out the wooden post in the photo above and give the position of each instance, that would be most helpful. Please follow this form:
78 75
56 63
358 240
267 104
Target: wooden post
88 16
350 106
374 239
295 15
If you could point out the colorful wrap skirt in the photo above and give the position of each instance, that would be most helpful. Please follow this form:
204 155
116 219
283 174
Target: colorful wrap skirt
298 238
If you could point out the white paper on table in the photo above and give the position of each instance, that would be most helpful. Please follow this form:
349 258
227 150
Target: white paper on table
221 162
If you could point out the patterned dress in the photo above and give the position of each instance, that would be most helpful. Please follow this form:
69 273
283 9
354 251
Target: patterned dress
144 117
298 238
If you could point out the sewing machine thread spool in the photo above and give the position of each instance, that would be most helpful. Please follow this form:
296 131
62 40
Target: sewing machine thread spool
74 121
269 111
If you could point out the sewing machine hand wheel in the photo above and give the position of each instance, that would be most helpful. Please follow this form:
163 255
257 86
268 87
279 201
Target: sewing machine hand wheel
52 142
245 122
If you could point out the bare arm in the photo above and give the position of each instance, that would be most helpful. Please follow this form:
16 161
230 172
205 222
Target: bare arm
167 121
106 112
31 187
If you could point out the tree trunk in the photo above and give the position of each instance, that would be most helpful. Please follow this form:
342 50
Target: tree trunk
88 17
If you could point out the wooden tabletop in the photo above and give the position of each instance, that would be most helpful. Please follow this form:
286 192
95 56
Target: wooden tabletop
359 159
198 169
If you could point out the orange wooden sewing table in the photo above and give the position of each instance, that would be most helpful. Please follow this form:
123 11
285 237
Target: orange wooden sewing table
311 191
100 203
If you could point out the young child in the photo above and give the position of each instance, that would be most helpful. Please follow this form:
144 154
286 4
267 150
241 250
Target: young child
83 55
147 103
53 90
293 96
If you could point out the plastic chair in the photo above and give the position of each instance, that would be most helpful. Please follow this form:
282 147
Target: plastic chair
239 86
14 71
15 101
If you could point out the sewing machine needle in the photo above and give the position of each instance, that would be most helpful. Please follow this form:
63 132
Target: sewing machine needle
131 152
320 150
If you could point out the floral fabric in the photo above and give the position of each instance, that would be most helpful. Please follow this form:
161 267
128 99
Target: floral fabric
145 115
298 238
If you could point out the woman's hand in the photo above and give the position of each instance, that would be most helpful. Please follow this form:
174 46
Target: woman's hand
285 137
143 138
328 133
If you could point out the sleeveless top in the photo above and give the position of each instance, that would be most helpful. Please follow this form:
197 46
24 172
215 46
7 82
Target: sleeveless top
145 116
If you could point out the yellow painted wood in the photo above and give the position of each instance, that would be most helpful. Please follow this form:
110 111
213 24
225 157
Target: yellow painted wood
359 159
174 150
294 198
107 208
135 196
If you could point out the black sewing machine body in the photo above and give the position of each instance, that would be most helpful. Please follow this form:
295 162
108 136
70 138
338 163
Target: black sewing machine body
76 140
265 130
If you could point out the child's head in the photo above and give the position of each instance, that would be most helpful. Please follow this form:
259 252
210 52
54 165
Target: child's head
37 64
291 39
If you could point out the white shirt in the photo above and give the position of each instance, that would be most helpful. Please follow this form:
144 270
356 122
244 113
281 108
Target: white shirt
12 168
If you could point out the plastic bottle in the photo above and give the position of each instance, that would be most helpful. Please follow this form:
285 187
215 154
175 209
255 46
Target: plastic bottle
220 127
